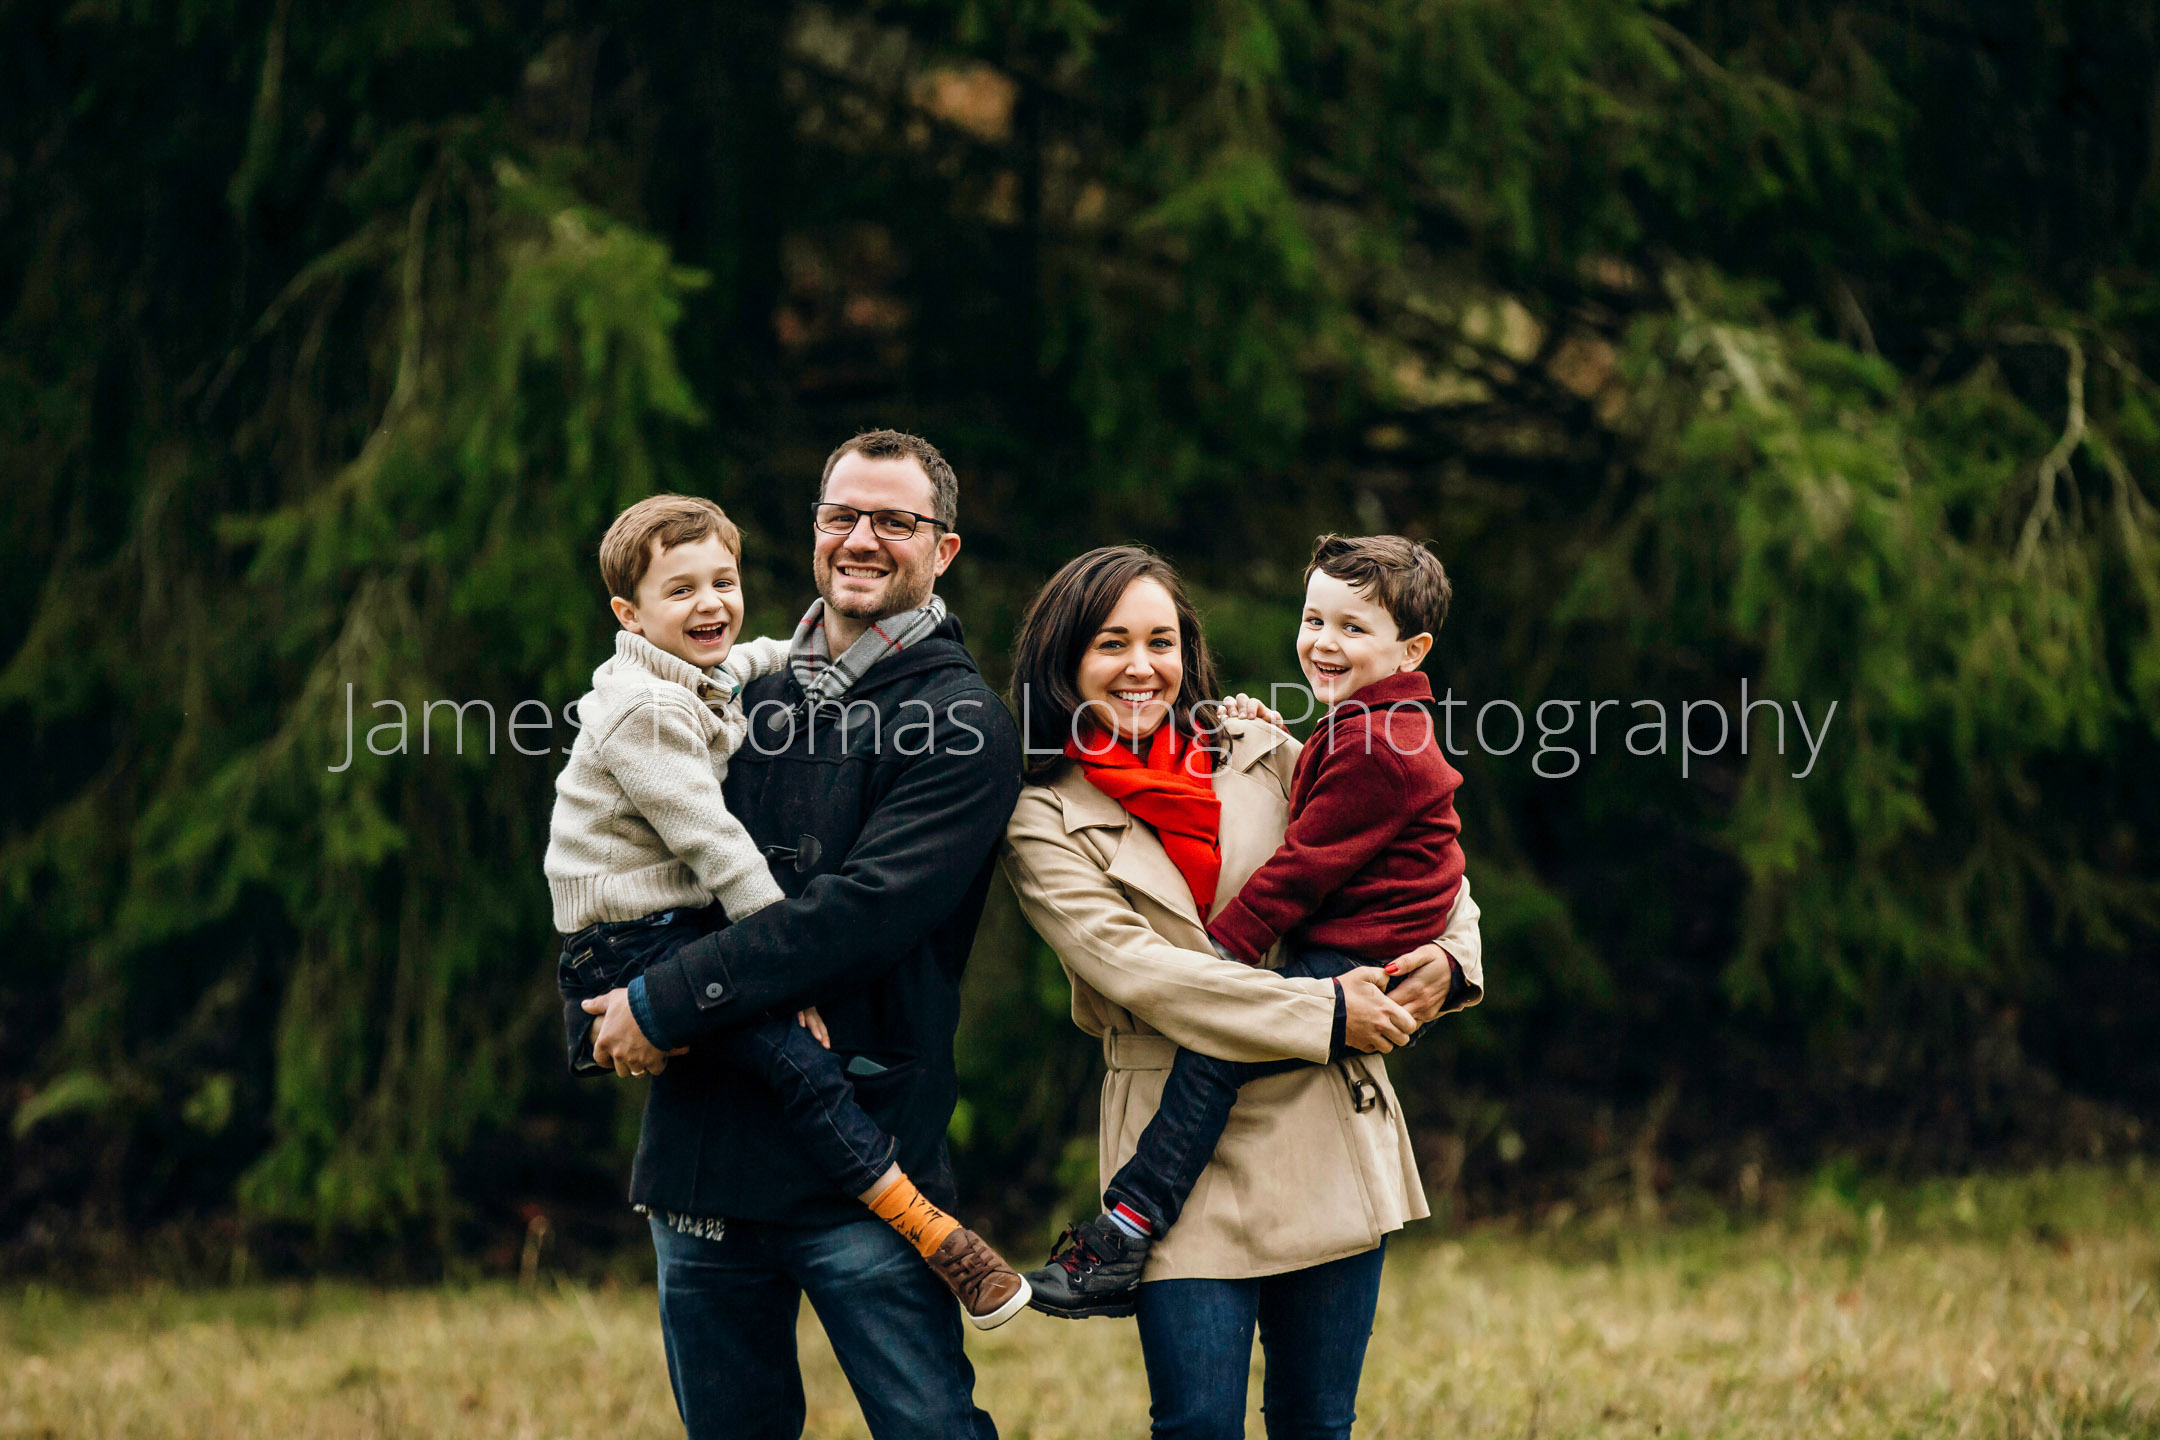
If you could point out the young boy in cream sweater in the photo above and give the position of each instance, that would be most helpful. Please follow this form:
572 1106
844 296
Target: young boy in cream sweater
644 855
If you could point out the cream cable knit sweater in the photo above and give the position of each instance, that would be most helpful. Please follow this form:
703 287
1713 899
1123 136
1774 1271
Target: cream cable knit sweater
639 823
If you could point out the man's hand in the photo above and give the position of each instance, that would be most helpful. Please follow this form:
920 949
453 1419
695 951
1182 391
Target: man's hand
617 1040
1424 979
810 1020
1371 1021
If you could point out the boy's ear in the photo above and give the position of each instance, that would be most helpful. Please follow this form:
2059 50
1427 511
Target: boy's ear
1415 649
626 614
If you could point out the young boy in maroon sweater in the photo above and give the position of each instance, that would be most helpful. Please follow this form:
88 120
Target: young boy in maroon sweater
1368 870
1370 865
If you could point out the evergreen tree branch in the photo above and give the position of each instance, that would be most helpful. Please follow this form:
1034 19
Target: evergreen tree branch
2056 462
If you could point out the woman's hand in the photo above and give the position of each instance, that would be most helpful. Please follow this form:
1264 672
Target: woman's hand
1424 979
815 1023
1371 1021
1243 707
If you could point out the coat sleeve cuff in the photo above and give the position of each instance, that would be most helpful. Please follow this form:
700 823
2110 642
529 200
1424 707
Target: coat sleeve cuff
687 999
641 1011
1463 992
1234 932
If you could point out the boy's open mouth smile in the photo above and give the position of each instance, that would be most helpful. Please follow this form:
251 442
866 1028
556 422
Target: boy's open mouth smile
1332 672
707 634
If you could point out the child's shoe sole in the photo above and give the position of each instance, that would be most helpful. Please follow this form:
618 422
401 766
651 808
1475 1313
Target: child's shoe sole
1004 1312
1115 1310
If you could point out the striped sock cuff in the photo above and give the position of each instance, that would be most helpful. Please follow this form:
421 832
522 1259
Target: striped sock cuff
1131 1221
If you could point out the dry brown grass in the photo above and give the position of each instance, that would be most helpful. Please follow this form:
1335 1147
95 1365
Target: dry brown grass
2012 1308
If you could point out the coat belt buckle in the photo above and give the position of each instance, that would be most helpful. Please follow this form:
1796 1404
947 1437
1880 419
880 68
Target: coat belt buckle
1364 1095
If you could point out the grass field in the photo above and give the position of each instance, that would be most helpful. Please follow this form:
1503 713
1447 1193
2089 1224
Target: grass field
2006 1307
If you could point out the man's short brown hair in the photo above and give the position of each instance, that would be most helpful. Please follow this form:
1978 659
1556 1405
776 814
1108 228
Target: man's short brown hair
1403 578
626 551
899 445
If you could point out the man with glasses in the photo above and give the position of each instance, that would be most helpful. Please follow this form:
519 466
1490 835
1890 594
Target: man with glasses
878 776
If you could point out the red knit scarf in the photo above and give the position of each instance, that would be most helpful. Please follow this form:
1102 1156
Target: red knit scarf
1170 790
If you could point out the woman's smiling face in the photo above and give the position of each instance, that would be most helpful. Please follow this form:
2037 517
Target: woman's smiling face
1134 665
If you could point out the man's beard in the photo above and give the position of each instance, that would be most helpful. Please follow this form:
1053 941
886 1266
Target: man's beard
906 589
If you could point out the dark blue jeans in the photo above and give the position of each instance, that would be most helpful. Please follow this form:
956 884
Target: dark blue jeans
815 1094
727 1315
1196 1103
1197 1338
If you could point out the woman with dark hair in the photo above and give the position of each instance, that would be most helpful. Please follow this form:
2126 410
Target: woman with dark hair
1144 805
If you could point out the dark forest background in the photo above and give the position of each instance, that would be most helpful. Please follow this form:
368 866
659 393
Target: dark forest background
1805 343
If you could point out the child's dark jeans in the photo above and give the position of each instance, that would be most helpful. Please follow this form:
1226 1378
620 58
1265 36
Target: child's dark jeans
810 1080
1196 1102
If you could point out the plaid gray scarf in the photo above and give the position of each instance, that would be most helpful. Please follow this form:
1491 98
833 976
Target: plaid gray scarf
823 678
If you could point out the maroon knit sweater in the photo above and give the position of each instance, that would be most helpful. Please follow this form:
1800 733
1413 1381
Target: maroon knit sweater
1370 865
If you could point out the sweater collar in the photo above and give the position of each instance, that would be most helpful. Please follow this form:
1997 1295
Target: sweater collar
1389 690
637 651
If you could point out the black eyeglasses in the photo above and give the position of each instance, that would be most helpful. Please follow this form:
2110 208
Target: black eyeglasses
885 524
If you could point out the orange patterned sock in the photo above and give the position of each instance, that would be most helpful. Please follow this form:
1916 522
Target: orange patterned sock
919 1222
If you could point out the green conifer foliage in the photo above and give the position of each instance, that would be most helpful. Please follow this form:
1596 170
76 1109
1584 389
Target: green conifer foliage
1801 342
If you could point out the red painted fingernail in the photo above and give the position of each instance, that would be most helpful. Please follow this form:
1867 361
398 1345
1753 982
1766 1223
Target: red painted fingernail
1389 967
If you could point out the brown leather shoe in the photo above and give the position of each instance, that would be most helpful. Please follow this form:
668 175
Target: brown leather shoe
990 1291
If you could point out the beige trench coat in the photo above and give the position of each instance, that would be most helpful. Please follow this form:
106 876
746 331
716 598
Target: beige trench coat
1301 1176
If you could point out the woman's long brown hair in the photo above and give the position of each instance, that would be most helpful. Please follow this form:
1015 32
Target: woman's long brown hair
1061 622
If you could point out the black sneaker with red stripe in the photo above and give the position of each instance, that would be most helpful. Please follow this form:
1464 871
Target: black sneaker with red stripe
1094 1269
